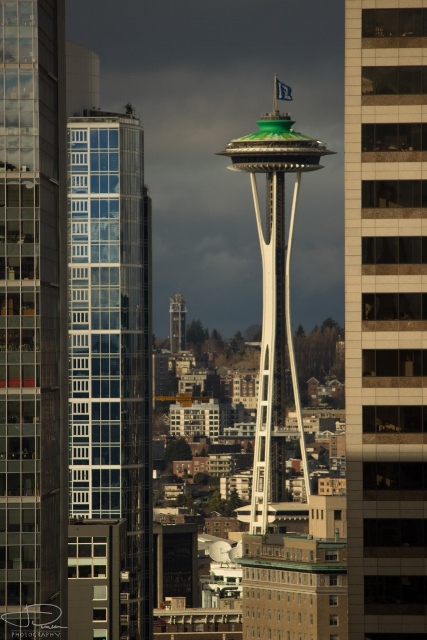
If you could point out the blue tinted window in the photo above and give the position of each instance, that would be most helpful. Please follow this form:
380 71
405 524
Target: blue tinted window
104 253
105 344
115 410
94 209
114 275
105 320
105 388
105 411
104 209
104 367
105 432
95 389
95 275
104 227
114 230
94 161
96 344
95 297
94 184
114 184
103 184
95 320
114 366
115 477
94 253
95 478
114 207
94 139
96 366
115 389
95 501
103 161
94 230
114 253
114 298
114 320
114 343
114 138
115 498
105 273
105 497
115 455
115 433
114 161
103 138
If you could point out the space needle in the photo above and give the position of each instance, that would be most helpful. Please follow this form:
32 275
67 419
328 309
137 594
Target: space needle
275 150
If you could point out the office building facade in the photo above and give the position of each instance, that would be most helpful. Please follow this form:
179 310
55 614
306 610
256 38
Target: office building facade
110 339
386 288
33 326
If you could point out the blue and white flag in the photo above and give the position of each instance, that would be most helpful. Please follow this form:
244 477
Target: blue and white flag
283 92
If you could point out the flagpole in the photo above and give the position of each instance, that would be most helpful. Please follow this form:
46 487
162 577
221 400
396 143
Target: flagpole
275 93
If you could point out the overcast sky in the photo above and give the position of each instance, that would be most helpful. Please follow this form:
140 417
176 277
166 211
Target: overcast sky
200 73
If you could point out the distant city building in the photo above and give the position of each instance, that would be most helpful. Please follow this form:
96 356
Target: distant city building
175 563
178 314
240 430
190 467
221 526
207 419
332 486
241 385
321 394
240 482
199 382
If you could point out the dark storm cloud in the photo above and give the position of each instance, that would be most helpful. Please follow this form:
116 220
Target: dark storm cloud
200 73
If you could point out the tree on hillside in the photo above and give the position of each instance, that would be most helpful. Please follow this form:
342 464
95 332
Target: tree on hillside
233 503
300 333
197 333
252 333
329 323
201 478
177 450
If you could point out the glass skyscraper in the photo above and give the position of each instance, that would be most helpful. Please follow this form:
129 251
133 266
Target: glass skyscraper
109 333
33 327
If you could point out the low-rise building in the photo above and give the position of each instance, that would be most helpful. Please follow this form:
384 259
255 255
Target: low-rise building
190 467
219 623
332 486
240 482
221 526
208 419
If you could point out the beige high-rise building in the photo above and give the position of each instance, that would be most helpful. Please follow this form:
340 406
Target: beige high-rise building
386 316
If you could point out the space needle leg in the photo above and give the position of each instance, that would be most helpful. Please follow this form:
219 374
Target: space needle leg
261 474
292 361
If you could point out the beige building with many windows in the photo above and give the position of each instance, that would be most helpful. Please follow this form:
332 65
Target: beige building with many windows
386 314
295 585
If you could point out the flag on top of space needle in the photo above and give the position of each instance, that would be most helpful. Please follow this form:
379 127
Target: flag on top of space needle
283 92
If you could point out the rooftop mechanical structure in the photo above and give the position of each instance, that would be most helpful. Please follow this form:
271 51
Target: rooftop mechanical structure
274 150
